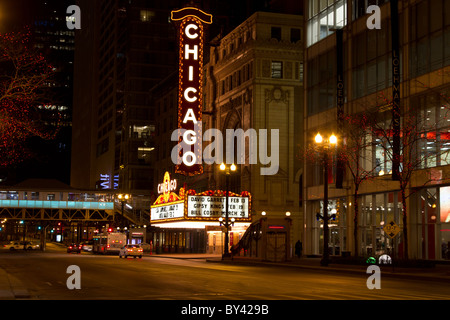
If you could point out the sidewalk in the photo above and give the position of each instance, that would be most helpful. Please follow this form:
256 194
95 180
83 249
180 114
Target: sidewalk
12 288
440 272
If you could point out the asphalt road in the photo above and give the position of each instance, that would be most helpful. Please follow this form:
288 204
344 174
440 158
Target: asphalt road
155 278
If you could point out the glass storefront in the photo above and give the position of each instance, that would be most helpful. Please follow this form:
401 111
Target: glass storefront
428 226
178 240
376 211
337 213
433 223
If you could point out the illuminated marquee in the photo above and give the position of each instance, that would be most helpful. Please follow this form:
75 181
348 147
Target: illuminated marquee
190 92
214 207
191 206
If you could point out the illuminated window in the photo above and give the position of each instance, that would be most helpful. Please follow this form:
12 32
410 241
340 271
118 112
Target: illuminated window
324 16
144 154
277 69
143 132
147 15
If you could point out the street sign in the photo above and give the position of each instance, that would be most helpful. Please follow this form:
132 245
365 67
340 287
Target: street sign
391 229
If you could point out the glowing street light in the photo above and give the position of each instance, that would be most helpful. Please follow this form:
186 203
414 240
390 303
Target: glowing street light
325 144
227 171
123 198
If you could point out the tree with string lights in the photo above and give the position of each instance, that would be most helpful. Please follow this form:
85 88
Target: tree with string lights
25 77
417 128
356 154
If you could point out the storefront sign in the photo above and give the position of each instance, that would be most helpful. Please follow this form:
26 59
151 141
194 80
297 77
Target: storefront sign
190 91
214 207
105 182
395 90
340 94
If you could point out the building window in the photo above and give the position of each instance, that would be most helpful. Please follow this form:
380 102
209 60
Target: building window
430 35
275 33
147 15
323 16
144 154
360 7
103 147
277 69
433 149
301 71
295 35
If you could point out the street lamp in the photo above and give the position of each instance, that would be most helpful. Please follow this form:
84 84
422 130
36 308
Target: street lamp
123 198
325 144
227 170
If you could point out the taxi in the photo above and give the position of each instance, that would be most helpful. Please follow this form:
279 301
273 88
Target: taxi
131 250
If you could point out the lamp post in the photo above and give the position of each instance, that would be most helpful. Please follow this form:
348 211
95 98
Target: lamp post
227 170
123 198
325 144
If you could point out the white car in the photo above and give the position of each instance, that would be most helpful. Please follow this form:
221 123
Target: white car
131 250
87 246
19 245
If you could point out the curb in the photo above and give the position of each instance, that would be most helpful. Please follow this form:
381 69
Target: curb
385 270
12 288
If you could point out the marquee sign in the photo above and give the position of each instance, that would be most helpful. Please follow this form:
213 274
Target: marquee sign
190 91
214 207
205 206
170 211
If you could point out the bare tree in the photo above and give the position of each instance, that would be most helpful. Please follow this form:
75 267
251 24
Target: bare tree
25 77
356 153
416 127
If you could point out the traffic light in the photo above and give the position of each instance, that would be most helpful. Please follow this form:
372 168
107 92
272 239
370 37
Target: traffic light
110 229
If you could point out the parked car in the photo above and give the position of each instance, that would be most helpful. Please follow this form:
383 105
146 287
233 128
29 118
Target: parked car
131 250
74 247
13 245
20 245
32 246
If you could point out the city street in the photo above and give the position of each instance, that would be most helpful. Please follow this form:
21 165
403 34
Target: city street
44 275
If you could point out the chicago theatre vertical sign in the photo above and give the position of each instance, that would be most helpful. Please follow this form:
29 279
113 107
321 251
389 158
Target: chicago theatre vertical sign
191 23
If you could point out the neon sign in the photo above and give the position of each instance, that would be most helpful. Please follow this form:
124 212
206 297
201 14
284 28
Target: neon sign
190 92
105 181
168 185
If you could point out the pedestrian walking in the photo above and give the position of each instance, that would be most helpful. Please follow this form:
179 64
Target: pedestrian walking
298 249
